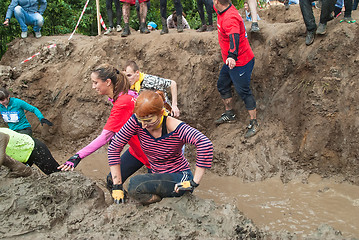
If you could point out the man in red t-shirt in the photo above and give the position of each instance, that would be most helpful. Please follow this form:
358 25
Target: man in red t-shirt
238 61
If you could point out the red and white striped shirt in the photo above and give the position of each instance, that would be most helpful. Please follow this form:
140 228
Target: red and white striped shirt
164 153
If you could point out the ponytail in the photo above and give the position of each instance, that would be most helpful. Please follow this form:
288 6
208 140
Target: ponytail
165 103
118 79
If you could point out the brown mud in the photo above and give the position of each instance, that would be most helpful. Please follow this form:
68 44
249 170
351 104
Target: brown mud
306 101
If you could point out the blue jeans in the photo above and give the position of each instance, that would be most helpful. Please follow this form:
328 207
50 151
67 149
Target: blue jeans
24 18
240 77
142 187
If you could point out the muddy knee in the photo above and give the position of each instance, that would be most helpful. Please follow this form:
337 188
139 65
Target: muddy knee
4 139
17 168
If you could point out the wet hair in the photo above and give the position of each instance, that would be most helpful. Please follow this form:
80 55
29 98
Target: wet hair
118 79
133 65
4 94
148 103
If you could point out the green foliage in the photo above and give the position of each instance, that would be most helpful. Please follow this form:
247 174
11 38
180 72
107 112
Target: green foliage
61 17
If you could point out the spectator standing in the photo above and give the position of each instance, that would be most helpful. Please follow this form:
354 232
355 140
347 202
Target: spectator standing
27 12
253 8
248 12
309 19
355 5
110 16
126 16
348 12
163 10
209 6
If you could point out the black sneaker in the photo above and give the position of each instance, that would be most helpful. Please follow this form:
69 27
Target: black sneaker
255 27
252 128
202 29
322 29
309 39
226 117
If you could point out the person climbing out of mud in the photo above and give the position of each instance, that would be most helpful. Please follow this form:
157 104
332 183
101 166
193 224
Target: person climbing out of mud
12 111
107 80
19 151
140 81
238 64
27 12
161 138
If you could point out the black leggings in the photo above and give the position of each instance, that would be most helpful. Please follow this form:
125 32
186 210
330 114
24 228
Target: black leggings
27 131
129 165
41 157
209 5
110 14
163 8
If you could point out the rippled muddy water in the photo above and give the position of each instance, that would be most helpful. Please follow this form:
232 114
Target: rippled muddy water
295 207
272 205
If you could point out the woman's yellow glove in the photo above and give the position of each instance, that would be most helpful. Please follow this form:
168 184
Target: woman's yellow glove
118 194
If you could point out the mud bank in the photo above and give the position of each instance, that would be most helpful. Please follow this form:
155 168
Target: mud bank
71 206
307 107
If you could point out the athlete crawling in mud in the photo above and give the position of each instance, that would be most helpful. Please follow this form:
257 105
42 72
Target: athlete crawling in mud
161 138
19 151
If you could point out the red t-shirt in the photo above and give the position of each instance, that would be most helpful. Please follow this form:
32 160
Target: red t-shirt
121 111
230 22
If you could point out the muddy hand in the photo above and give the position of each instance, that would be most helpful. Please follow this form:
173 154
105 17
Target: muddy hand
186 186
71 163
117 194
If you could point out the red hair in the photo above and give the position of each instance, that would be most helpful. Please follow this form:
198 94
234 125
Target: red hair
148 103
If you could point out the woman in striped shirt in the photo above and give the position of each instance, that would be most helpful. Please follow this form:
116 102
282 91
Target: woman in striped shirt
161 138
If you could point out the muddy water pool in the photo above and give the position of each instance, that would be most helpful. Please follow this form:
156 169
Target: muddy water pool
295 207
272 205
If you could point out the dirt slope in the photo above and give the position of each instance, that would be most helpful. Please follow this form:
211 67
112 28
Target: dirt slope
306 95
